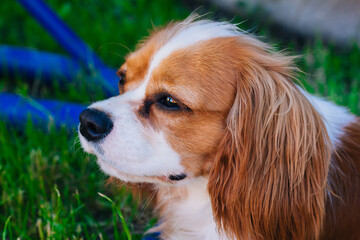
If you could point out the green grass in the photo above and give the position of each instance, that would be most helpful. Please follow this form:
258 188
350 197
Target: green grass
49 188
333 73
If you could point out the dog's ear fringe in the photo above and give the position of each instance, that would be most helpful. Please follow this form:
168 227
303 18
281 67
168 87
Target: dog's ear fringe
268 180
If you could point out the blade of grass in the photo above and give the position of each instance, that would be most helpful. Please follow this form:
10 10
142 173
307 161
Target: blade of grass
5 227
118 211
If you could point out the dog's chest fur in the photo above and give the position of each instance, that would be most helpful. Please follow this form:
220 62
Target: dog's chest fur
185 212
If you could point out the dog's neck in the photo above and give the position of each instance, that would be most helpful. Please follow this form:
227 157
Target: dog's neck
185 212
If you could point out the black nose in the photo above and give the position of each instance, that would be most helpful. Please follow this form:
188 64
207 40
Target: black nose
94 124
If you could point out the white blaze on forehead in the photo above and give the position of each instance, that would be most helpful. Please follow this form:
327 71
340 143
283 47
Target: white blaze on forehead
190 33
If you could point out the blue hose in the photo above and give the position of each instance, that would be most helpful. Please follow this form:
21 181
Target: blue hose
17 110
152 236
31 64
70 42
61 32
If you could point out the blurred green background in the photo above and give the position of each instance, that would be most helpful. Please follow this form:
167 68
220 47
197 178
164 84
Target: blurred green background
48 186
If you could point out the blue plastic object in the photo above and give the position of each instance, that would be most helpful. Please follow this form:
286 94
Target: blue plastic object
16 61
17 110
31 64
61 33
47 66
70 42
152 236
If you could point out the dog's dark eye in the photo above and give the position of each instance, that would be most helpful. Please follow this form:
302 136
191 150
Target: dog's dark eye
121 79
169 102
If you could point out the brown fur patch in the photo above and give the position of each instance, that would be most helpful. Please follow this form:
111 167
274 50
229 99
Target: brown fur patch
268 180
137 63
343 208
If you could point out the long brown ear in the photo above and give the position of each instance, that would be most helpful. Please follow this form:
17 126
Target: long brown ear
268 180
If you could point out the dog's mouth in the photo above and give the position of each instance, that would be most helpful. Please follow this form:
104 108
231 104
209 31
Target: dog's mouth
165 179
112 170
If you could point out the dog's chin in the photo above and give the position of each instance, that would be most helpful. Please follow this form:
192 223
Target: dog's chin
162 180
111 170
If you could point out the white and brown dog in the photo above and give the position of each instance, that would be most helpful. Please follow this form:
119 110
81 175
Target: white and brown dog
234 149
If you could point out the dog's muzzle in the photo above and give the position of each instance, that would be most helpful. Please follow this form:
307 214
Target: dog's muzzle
95 124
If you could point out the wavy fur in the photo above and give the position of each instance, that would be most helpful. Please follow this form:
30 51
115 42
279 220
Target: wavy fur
269 177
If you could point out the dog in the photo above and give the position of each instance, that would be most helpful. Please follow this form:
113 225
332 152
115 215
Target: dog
212 118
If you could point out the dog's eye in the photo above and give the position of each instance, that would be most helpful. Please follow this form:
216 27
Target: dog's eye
121 79
169 102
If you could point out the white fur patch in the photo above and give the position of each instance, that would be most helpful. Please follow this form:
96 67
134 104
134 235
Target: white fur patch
335 117
191 217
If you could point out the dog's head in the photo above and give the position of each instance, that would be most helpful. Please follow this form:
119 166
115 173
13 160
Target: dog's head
176 91
202 98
